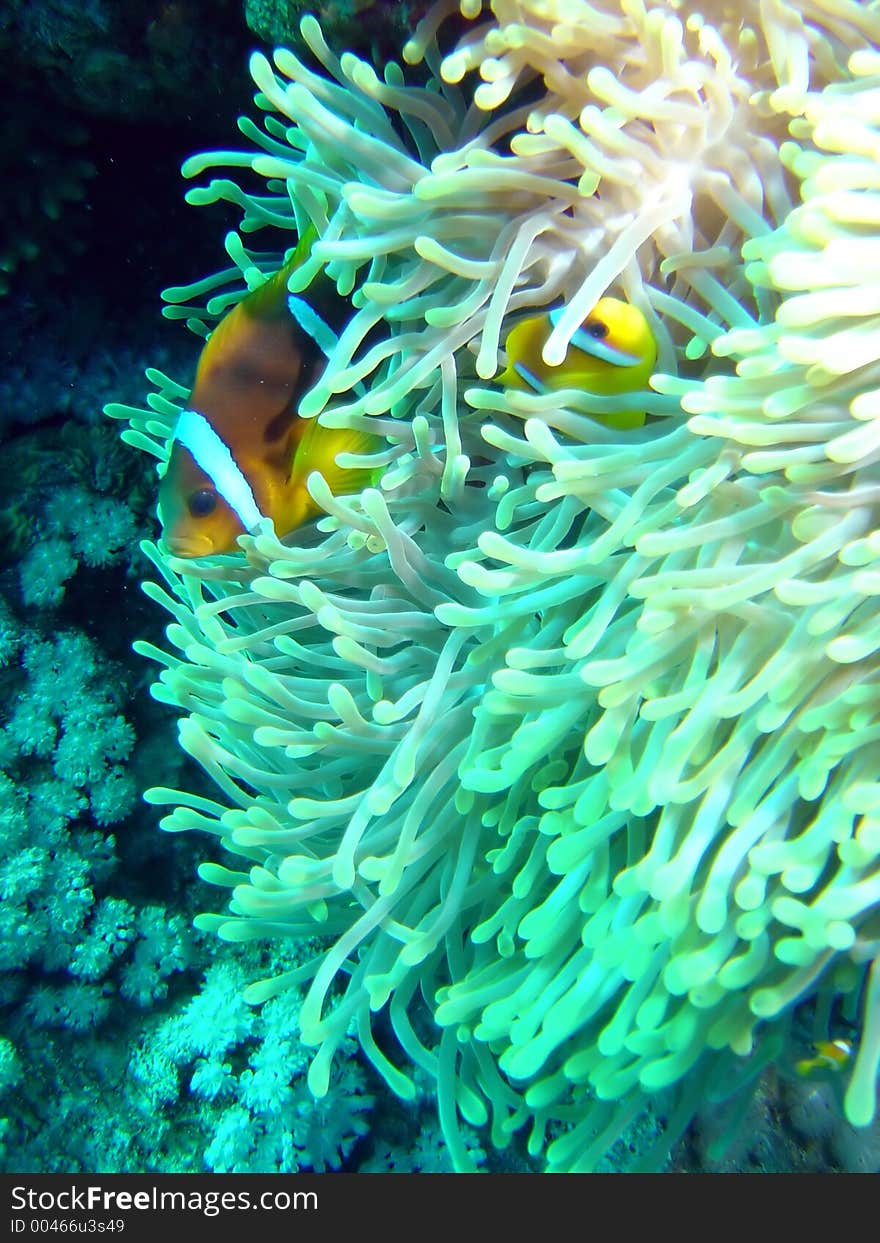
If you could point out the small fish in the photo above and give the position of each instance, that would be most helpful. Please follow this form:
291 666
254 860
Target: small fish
833 1055
240 450
613 351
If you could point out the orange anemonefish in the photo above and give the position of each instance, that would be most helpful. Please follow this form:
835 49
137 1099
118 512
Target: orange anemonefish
831 1055
240 451
613 351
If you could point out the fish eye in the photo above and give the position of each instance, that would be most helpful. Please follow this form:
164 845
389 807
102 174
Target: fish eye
596 329
202 503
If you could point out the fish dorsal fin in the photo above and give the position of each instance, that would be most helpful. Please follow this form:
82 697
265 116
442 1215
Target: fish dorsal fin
270 299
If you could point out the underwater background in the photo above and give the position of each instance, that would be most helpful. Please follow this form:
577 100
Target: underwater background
127 1042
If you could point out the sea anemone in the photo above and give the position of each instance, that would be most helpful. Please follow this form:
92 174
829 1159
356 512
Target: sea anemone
563 737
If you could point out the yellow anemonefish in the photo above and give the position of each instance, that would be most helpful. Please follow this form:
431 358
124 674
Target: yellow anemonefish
240 451
830 1055
613 351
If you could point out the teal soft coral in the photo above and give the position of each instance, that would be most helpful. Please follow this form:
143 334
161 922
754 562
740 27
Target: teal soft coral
564 737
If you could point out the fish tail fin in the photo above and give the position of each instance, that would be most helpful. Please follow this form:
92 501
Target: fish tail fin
319 449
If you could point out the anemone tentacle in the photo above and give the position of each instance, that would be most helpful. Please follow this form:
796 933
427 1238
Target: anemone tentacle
564 737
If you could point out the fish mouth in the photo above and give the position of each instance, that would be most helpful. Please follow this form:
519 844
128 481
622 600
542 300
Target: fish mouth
189 545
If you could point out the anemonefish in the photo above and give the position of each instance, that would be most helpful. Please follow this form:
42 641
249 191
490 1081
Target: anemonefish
613 351
833 1055
240 450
